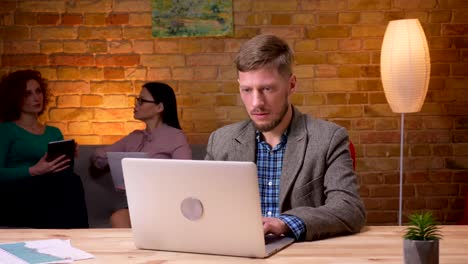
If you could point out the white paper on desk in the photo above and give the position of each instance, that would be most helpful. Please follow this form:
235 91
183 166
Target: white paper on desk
41 251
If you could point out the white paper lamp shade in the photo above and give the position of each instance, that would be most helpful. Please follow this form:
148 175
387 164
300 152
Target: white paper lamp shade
405 65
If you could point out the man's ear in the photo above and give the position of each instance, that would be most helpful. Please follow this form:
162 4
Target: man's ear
292 84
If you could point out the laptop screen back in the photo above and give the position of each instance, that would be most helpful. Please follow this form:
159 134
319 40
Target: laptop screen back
195 206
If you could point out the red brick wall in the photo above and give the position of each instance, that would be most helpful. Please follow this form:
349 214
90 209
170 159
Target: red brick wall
96 54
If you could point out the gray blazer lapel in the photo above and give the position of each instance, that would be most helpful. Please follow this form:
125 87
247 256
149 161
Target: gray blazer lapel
244 144
294 154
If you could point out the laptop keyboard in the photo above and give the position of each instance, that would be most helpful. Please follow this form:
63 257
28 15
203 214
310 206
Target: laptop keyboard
271 239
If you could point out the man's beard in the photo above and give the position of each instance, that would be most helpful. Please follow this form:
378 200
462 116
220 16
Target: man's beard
273 124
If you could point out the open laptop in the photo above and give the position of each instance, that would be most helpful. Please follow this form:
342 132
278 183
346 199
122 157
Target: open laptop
115 164
210 207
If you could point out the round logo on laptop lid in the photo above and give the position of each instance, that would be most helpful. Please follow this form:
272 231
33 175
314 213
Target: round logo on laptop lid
191 208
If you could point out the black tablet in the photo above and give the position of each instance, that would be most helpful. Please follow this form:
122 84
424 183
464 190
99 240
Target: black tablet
56 149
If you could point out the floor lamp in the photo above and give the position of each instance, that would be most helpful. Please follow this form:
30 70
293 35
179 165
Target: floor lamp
405 68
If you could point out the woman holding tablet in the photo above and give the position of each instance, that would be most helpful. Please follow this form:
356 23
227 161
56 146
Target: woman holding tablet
35 191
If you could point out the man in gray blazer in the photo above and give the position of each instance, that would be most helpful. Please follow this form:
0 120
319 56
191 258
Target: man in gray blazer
308 188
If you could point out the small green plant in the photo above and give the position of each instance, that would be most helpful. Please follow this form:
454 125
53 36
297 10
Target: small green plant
422 226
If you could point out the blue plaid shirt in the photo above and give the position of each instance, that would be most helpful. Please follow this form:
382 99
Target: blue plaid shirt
269 166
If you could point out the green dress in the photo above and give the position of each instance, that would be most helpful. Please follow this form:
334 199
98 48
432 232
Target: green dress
20 149
54 200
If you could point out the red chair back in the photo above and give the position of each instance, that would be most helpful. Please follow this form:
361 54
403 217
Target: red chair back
352 150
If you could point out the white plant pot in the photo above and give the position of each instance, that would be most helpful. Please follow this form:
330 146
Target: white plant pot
421 251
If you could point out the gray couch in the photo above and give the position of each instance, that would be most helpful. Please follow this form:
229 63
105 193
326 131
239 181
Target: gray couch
101 197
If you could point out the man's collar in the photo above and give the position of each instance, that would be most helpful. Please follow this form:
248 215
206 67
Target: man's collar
259 137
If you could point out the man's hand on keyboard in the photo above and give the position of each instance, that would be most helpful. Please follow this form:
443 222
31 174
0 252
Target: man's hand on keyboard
274 226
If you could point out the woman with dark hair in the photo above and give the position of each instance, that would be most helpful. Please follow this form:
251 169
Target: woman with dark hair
162 138
34 192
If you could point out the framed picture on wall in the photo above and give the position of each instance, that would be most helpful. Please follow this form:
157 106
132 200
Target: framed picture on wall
191 18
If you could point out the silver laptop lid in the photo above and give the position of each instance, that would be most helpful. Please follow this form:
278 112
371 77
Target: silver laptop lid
195 206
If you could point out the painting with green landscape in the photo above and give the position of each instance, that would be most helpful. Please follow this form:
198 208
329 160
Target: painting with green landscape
191 18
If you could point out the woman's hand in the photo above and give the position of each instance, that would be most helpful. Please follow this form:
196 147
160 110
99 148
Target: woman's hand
43 166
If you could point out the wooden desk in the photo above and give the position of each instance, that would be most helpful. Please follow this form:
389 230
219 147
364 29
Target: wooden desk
375 244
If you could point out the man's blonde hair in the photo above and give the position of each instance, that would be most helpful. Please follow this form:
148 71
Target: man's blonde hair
264 51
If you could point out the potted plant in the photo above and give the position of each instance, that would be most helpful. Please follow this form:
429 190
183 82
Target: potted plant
421 244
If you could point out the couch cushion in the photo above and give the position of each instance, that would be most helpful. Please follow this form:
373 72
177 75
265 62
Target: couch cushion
101 197
198 151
